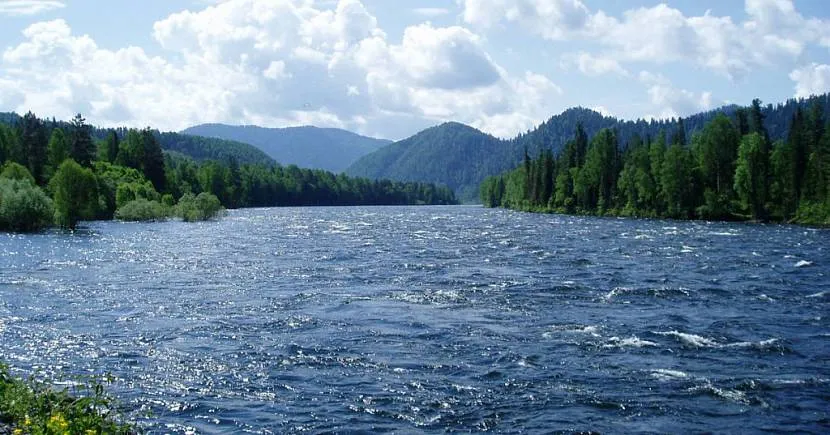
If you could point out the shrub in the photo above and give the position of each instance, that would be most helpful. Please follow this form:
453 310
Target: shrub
16 171
75 192
23 206
203 207
142 210
33 408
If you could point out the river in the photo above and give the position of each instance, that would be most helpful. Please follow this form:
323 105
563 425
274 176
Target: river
433 319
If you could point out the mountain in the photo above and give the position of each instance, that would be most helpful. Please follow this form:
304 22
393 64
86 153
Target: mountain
452 154
209 148
309 147
462 157
195 147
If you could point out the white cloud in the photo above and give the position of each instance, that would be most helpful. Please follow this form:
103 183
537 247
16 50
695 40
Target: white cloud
28 7
553 19
274 63
669 101
810 80
773 31
591 65
431 12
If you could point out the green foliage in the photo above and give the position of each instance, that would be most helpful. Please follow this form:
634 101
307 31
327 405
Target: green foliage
33 145
16 171
205 148
142 210
202 207
24 207
442 154
75 194
110 177
58 150
750 175
720 175
34 408
81 147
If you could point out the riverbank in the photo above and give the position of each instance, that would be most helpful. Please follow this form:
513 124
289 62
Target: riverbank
32 407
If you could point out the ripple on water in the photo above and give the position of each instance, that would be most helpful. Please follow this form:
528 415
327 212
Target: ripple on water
396 319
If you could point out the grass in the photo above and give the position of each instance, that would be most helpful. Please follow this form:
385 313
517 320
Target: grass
32 407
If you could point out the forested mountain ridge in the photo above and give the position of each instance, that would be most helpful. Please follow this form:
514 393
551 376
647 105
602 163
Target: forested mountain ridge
439 157
64 172
196 147
330 149
452 152
732 168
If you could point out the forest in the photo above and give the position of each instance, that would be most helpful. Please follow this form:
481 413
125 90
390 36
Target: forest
58 173
730 169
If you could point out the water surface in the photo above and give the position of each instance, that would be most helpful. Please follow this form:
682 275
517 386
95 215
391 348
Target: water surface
430 319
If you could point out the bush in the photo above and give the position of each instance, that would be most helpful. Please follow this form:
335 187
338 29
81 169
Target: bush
16 171
142 210
75 192
203 207
33 408
23 206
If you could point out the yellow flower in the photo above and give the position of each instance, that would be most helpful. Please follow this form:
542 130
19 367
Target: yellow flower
57 424
27 421
17 431
90 432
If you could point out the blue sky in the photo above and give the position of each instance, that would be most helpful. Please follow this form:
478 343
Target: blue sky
390 68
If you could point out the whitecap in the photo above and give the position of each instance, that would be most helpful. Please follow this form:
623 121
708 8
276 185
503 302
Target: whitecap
669 374
817 295
766 298
691 339
629 342
803 263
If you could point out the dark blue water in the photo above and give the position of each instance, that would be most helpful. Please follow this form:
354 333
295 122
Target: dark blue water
430 319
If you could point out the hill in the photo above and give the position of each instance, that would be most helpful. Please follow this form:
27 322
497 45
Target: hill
209 148
462 157
452 154
194 147
310 147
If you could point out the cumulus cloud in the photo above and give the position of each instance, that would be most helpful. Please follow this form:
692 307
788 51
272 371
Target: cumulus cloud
431 12
773 31
275 63
670 101
29 7
810 80
591 65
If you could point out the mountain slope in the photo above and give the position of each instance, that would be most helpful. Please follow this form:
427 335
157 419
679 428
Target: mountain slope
452 154
462 157
209 148
309 147
195 147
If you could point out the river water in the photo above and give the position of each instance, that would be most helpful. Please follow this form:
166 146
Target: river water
430 319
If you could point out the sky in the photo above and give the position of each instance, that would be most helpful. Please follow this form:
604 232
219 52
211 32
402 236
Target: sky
390 68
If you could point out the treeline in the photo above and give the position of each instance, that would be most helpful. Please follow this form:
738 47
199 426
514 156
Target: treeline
60 173
728 170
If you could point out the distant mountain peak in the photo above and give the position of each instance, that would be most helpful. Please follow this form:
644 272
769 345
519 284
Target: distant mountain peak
331 149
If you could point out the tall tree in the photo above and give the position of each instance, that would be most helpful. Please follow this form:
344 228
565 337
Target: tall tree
75 194
750 175
111 146
81 147
58 149
33 143
153 159
675 180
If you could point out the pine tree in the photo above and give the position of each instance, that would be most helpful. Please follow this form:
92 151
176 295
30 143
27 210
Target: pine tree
58 150
33 144
153 160
750 175
81 147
